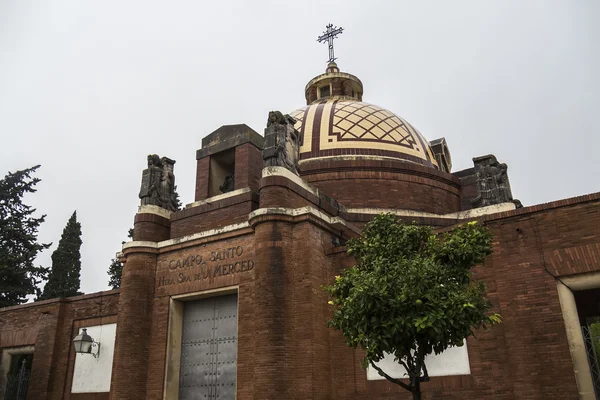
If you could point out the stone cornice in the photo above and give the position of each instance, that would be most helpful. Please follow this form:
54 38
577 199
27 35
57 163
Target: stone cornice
218 197
42 303
334 223
150 247
284 172
156 210
473 213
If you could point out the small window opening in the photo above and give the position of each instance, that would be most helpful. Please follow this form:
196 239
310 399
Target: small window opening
222 170
324 91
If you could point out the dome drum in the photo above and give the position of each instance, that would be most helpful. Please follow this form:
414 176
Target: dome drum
361 182
333 83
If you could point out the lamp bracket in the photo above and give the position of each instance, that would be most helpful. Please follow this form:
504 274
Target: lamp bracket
95 345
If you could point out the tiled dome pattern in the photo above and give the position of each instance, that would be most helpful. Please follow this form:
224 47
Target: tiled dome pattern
342 127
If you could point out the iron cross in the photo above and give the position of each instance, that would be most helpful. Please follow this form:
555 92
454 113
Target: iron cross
328 36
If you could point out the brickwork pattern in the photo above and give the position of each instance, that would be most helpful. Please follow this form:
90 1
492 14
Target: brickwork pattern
271 298
150 227
160 309
132 346
374 189
202 174
285 350
248 166
527 356
213 216
50 326
278 191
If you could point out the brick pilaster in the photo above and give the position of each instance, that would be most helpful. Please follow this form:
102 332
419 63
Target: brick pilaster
202 174
151 227
134 321
44 355
273 259
133 325
248 166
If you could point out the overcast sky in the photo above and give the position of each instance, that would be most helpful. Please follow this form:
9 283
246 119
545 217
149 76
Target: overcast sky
88 89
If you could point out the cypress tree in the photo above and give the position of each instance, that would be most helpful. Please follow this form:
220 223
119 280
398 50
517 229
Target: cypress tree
114 273
116 267
18 239
176 200
66 263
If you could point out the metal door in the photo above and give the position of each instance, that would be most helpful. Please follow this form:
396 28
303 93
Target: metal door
17 380
209 349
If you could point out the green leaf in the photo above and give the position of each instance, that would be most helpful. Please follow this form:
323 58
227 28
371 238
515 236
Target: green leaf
411 289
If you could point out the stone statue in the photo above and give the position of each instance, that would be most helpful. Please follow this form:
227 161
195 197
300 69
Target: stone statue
228 184
158 183
151 181
167 185
492 182
282 142
276 117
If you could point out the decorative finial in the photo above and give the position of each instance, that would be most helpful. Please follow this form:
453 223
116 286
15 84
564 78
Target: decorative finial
328 36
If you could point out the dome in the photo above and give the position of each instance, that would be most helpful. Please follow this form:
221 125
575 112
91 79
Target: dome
345 126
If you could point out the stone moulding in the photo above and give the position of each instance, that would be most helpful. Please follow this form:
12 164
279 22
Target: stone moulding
156 210
185 239
218 197
336 224
468 214
284 172
357 163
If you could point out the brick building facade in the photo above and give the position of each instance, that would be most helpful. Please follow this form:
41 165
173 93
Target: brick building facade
223 299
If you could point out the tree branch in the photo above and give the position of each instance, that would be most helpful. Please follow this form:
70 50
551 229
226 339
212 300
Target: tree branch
404 365
421 365
425 377
389 378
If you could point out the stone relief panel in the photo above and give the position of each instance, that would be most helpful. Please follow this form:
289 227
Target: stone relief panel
202 267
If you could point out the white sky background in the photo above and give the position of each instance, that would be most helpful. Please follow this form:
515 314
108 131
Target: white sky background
88 89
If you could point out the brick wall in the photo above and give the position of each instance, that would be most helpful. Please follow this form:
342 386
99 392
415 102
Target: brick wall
169 283
527 356
231 210
375 189
151 227
285 350
384 183
50 326
132 345
248 166
202 175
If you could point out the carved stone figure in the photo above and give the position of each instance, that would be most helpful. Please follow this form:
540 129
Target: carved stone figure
492 182
276 117
167 197
151 181
282 142
228 184
158 183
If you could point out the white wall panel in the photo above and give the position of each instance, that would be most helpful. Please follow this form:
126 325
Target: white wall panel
453 361
93 374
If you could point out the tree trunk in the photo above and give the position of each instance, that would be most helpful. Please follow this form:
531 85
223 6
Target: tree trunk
417 390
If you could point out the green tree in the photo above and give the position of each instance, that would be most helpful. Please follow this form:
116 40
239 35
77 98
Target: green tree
66 263
176 199
114 273
18 239
411 294
116 268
